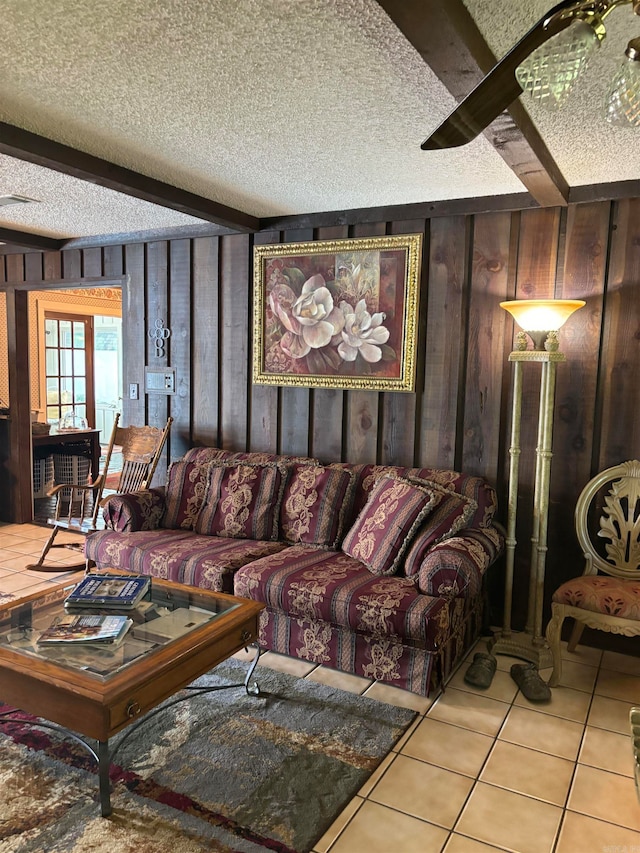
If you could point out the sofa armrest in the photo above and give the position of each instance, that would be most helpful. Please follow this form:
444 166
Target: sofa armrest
141 510
455 567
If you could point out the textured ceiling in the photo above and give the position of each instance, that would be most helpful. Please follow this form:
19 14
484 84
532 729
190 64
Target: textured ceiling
267 106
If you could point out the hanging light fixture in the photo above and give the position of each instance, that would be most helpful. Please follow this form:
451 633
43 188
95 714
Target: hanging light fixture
546 63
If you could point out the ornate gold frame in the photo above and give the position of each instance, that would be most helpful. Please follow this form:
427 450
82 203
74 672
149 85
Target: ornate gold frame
288 264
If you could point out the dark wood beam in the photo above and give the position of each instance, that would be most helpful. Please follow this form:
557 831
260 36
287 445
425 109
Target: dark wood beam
24 145
445 35
30 241
19 480
399 212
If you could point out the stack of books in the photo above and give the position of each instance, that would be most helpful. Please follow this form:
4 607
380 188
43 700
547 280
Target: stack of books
97 592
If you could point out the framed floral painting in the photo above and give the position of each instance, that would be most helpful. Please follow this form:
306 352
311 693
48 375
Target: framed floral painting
338 313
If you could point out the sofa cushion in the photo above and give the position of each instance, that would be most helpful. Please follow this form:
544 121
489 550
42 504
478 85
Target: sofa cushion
186 487
242 500
315 503
451 515
330 587
387 523
182 556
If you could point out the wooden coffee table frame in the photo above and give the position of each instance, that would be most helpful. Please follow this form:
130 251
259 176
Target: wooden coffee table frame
98 707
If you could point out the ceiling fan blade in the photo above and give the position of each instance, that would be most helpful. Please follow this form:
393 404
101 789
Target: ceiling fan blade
499 87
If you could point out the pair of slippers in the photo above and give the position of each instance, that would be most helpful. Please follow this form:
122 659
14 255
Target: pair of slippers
482 668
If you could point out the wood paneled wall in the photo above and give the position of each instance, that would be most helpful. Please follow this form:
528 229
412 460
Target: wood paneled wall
459 415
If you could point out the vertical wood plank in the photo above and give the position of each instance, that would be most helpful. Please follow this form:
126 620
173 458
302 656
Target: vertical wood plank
205 342
295 426
134 338
157 270
327 403
92 263
398 433
573 433
113 260
620 389
180 346
52 265
234 341
447 274
482 389
71 265
362 407
19 463
263 428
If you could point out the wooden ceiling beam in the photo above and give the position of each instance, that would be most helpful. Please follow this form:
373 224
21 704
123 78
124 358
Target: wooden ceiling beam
24 239
24 145
445 35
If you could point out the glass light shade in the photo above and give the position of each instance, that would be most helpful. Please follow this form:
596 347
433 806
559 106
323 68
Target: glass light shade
622 105
538 317
549 73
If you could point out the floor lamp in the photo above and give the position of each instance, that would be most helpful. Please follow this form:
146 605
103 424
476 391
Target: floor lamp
540 319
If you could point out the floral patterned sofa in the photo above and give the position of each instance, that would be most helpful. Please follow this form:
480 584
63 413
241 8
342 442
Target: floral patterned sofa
373 570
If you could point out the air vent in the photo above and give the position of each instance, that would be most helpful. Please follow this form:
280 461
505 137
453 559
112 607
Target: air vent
15 199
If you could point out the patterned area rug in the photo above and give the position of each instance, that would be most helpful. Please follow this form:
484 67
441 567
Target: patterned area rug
224 771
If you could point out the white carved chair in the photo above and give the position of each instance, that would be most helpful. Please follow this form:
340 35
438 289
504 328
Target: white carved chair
607 595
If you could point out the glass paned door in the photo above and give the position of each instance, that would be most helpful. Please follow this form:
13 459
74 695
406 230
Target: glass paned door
69 366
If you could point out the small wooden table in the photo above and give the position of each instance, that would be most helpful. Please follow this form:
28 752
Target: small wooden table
85 442
98 692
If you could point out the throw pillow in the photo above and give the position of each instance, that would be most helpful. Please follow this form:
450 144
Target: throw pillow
452 514
385 526
186 488
316 500
243 500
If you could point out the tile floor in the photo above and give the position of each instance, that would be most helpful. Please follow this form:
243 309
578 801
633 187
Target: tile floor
478 771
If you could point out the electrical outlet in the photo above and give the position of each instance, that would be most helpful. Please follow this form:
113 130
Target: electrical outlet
133 391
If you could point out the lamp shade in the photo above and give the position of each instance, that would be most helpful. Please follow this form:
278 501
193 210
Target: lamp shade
537 317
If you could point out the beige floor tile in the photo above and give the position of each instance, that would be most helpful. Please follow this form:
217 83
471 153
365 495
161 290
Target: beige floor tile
607 751
470 711
502 686
404 784
323 845
509 820
578 676
377 774
448 746
581 834
342 680
543 732
377 829
10 543
621 663
462 844
407 734
609 714
528 772
5 554
18 562
401 698
605 796
618 685
565 702
582 654
18 582
283 663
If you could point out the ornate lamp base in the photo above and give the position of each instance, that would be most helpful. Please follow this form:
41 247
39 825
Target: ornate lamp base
521 645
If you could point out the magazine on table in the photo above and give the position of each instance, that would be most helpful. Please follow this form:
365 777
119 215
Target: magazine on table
120 592
108 629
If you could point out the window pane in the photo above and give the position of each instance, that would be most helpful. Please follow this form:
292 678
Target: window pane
65 333
81 391
66 362
51 362
53 414
53 394
65 409
79 362
66 390
81 411
78 335
51 333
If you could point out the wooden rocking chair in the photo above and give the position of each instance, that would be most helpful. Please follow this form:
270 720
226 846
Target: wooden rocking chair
141 450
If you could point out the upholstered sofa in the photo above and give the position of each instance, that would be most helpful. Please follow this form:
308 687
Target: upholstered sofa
370 569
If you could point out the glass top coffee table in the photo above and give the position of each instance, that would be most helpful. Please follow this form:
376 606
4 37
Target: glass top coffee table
178 634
